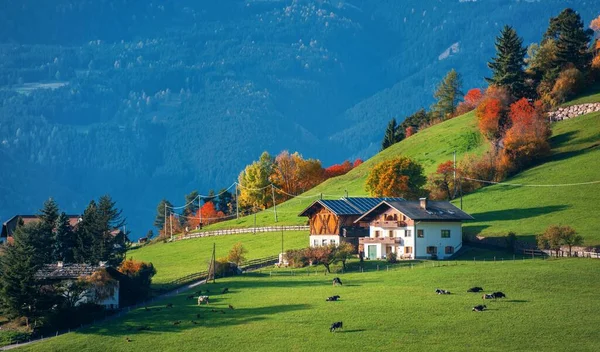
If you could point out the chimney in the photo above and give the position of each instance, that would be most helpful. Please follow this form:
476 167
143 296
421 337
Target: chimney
59 264
423 203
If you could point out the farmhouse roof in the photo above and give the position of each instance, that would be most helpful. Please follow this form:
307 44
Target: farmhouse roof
434 211
9 226
65 271
347 205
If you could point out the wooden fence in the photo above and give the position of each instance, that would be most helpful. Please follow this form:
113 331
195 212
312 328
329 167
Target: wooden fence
242 230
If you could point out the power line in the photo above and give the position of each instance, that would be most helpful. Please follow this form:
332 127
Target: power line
200 196
533 185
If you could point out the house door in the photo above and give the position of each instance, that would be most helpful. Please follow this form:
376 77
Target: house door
372 252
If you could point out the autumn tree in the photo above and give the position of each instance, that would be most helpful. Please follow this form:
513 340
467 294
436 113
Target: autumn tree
441 183
294 174
237 254
255 183
344 252
400 177
139 278
338 169
507 65
490 119
410 130
557 235
325 255
470 102
448 93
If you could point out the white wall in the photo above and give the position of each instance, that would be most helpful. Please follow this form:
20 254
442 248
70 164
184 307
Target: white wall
433 237
319 238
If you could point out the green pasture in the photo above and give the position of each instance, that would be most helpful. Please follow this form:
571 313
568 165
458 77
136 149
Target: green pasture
551 305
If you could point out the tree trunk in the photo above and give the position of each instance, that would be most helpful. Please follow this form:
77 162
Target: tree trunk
327 268
570 250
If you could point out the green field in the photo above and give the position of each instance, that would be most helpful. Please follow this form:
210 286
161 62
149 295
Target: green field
177 259
528 211
547 308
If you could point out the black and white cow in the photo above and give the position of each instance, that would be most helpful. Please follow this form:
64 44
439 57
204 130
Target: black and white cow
335 326
337 281
479 308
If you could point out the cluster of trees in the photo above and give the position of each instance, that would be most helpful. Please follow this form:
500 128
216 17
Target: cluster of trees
97 237
557 236
325 255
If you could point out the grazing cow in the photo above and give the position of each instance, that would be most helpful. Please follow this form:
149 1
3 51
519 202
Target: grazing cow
128 339
203 299
479 308
488 296
442 292
225 290
169 305
499 295
335 326
337 281
332 298
475 289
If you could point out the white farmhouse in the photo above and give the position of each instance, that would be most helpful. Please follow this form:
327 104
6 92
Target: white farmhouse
412 229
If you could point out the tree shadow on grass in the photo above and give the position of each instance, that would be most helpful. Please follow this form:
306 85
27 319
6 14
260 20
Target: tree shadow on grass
517 213
350 331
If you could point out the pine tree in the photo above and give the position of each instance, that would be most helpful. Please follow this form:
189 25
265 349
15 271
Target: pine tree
224 201
391 135
448 94
86 249
192 204
109 237
507 66
49 213
572 40
20 261
159 220
64 240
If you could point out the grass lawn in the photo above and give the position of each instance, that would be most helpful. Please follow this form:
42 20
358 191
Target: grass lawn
530 210
177 259
551 305
591 96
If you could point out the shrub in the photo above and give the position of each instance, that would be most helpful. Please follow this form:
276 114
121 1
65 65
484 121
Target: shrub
223 267
136 286
297 258
237 254
567 85
392 258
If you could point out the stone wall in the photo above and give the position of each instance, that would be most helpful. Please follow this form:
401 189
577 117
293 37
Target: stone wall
573 111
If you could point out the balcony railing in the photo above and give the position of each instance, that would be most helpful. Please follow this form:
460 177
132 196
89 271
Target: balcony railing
382 240
389 223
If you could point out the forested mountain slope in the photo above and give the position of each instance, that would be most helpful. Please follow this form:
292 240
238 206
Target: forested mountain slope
148 100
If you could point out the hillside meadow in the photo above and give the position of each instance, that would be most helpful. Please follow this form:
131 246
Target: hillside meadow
547 309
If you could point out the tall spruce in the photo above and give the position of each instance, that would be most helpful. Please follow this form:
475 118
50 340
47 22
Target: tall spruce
224 201
572 40
86 249
507 66
20 261
448 95
191 204
64 240
391 135
159 220
110 238
49 213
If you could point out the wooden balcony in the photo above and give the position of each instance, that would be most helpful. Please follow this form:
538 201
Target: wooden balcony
381 240
388 223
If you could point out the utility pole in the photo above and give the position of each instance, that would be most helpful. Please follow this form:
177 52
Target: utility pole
211 266
461 194
165 220
199 213
254 210
346 193
171 220
454 170
274 204
237 202
282 244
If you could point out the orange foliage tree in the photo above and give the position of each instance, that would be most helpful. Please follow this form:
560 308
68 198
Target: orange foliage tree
471 100
401 177
490 120
441 183
338 169
410 130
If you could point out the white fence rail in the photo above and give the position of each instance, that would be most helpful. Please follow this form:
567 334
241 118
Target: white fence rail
242 230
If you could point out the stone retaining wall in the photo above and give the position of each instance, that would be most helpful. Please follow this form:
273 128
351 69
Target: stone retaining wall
573 111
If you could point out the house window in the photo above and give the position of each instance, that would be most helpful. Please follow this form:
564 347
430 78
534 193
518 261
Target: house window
324 242
420 233
391 234
333 242
315 243
445 233
377 233
407 250
449 250
407 233
431 250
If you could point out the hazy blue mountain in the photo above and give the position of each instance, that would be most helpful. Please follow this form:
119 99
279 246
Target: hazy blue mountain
151 100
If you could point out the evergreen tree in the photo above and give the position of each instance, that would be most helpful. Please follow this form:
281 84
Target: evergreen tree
391 135
86 249
572 40
507 66
210 197
64 240
224 201
49 213
159 220
20 261
110 240
448 94
192 204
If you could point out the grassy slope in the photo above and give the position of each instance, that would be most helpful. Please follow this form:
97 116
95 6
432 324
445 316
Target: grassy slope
429 147
381 311
178 259
529 210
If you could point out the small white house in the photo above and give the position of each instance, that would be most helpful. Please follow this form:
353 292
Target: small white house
412 229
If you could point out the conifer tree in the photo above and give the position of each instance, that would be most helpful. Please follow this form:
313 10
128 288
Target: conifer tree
572 40
224 201
391 135
109 237
64 240
159 220
192 203
49 213
86 249
507 66
448 94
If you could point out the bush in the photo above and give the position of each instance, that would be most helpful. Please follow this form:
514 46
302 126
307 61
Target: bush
392 258
224 267
297 258
135 286
567 85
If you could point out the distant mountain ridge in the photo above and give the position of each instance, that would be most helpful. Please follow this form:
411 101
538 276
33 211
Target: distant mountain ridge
154 100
